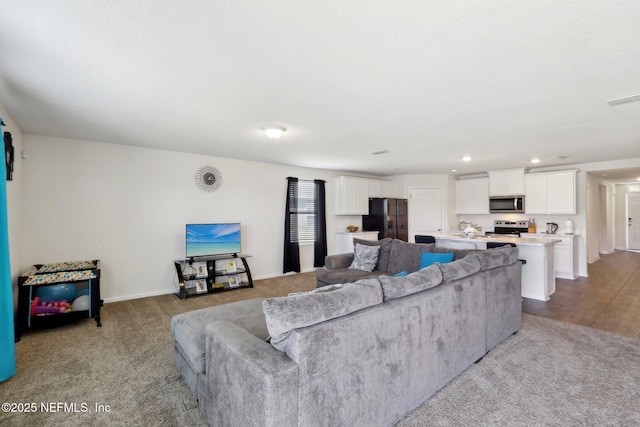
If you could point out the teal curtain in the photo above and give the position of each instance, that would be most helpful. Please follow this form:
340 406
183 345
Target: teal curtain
7 338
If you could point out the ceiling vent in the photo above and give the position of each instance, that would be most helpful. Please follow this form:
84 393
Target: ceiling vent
627 100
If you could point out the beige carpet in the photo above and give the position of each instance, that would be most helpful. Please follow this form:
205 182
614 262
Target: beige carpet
551 373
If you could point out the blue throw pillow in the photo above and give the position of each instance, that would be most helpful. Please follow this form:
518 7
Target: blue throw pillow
428 258
401 274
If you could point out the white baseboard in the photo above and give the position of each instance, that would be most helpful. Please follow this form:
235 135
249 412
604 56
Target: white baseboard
137 296
174 290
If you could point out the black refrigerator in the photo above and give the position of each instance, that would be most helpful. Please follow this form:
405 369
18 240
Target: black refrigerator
389 217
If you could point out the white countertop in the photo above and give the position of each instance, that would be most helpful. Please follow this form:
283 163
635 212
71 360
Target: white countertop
519 241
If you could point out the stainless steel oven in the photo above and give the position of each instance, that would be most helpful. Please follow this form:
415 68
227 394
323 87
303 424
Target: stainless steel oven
508 228
506 204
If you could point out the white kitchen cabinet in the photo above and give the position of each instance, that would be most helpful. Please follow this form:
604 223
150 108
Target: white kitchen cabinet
535 193
565 254
550 193
351 196
538 281
506 182
472 196
380 188
561 187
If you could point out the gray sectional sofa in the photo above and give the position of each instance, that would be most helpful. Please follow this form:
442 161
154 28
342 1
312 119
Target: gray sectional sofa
394 257
361 354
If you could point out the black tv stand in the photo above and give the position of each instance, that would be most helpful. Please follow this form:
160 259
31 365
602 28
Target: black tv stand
203 275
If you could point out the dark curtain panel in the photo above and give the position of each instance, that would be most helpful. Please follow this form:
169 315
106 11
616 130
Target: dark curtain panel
291 261
320 245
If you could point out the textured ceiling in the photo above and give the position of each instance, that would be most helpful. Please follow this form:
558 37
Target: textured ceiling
429 81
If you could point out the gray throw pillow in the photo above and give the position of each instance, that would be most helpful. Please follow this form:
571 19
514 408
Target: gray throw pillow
385 251
365 258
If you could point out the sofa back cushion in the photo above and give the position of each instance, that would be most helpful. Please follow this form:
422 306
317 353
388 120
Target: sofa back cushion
460 268
497 257
400 286
406 256
383 254
284 314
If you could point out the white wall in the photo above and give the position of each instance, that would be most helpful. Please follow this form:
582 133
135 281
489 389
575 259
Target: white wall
128 207
14 195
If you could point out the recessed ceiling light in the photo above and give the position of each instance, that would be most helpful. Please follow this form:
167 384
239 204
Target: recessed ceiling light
637 179
454 170
562 156
375 153
273 131
466 159
535 160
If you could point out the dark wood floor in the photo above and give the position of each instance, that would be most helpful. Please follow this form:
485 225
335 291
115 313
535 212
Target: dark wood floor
609 299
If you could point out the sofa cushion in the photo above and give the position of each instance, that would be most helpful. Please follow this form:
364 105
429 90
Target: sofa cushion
284 314
365 258
428 258
406 256
397 287
188 328
383 255
327 276
460 268
492 258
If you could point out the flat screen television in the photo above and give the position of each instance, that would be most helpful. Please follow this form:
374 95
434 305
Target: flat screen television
212 239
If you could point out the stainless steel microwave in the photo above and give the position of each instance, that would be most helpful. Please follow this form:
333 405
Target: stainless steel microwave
506 204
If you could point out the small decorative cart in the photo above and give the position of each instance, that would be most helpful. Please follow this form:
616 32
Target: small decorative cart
54 294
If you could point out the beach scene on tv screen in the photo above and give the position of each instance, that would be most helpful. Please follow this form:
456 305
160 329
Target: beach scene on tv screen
212 239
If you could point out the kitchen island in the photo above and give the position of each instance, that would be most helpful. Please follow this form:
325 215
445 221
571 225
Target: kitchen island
538 281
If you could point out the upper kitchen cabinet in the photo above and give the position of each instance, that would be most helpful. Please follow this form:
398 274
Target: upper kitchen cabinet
551 192
380 188
506 182
472 196
351 196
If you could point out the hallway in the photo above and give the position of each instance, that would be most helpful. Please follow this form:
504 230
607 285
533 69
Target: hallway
609 299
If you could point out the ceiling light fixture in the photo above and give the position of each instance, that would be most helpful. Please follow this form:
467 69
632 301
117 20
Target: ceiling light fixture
273 131
536 160
466 159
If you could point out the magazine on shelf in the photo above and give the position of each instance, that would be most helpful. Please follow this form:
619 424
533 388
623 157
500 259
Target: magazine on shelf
201 269
234 281
201 286
231 267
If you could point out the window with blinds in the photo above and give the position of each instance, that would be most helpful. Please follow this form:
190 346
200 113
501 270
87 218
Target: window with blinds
306 212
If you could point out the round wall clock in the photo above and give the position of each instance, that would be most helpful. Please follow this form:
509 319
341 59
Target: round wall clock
208 178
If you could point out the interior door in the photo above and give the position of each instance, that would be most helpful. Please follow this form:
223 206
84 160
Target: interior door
425 212
633 218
